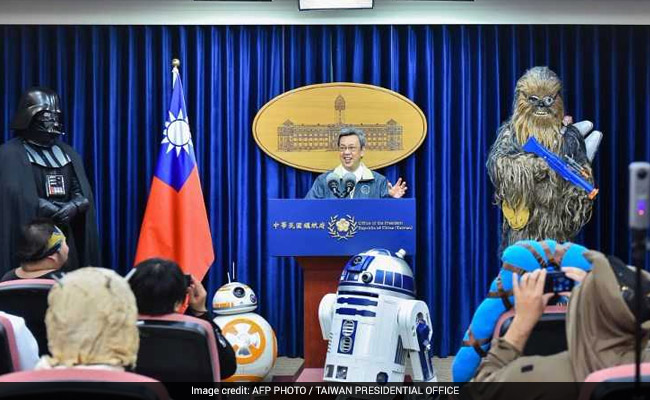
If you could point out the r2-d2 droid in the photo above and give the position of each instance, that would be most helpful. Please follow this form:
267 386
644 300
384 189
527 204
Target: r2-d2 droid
250 336
374 324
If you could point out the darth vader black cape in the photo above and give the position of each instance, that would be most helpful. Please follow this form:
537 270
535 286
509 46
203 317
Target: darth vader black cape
19 201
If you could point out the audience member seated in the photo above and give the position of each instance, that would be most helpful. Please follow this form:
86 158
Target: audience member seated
91 322
42 251
160 288
25 342
600 331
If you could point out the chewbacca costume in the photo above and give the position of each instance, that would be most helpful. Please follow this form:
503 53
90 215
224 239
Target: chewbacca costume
536 202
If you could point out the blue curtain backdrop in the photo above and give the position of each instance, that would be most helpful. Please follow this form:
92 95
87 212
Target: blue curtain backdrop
115 82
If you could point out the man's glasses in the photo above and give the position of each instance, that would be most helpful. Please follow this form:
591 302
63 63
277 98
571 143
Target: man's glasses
351 149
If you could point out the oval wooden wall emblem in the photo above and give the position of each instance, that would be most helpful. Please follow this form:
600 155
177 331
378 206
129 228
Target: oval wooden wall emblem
300 127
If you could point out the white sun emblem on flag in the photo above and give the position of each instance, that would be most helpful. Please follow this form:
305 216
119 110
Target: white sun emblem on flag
177 133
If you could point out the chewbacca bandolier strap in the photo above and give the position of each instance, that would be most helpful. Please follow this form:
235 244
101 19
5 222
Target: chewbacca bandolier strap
540 260
554 257
504 295
476 344
520 258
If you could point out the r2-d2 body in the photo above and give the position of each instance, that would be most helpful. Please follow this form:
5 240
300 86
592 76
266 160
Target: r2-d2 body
250 335
374 324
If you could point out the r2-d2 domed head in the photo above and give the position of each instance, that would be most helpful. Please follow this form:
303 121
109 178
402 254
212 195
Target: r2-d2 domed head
234 298
378 271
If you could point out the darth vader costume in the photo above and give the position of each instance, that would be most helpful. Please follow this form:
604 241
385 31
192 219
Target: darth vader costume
42 177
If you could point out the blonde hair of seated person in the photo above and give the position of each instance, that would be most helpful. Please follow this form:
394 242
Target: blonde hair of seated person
91 321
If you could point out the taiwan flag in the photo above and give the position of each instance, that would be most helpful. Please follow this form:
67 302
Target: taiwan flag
175 224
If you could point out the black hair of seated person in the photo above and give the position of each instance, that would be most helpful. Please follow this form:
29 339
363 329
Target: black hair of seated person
158 285
33 239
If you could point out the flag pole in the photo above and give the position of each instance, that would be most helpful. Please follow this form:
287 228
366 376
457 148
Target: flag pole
176 200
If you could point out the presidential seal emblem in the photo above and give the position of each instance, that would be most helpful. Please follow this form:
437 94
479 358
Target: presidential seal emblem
342 228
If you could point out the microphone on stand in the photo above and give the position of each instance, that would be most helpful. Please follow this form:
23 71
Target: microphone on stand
333 183
349 182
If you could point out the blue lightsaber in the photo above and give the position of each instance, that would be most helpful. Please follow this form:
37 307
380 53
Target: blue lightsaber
569 170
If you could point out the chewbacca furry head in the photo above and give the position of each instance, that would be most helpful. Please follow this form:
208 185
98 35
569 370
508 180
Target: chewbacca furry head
538 108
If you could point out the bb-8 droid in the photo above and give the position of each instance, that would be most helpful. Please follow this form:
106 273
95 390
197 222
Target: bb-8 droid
250 336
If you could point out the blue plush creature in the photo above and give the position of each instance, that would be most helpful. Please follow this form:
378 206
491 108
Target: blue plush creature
521 257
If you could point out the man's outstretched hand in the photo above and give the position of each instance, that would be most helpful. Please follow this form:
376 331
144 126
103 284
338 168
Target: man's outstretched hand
398 190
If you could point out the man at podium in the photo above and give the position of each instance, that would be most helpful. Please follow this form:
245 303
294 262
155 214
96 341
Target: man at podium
352 179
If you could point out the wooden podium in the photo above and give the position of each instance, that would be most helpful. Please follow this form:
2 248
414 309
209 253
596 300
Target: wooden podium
323 235
320 276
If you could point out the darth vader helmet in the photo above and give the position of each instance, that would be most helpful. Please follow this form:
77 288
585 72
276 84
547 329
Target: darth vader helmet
38 116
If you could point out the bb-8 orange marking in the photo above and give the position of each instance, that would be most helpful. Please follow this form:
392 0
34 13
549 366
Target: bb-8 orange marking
247 339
